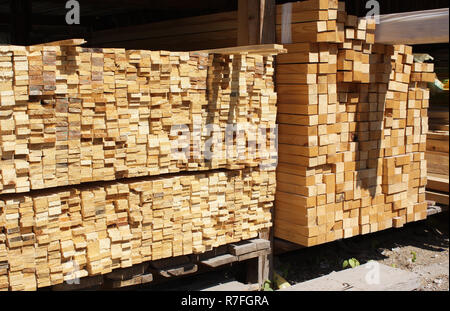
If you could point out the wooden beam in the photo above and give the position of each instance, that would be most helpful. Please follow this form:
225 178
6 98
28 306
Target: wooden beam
437 182
68 42
441 198
256 22
420 27
267 21
270 49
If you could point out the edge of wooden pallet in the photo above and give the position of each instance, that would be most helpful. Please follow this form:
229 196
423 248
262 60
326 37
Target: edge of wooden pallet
173 267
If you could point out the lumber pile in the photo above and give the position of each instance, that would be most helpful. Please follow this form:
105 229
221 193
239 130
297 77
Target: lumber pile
437 153
113 157
72 115
119 224
352 127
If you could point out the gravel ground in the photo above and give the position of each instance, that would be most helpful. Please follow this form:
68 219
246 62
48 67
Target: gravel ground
421 247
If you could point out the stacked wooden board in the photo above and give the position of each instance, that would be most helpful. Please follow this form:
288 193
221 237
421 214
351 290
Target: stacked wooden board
73 115
73 118
352 127
437 154
65 233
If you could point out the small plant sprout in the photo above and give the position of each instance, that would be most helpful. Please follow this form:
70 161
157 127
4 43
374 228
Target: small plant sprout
352 262
414 256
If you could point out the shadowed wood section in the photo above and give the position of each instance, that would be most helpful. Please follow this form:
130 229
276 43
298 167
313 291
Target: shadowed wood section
420 27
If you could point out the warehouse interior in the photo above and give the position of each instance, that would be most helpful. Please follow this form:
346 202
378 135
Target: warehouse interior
174 25
26 22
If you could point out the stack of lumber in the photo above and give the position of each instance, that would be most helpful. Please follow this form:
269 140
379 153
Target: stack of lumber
73 115
437 154
352 128
119 224
73 118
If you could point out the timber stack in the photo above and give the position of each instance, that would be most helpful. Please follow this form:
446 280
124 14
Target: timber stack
353 121
437 154
437 157
104 157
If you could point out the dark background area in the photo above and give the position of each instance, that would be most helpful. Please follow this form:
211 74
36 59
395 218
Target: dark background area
25 22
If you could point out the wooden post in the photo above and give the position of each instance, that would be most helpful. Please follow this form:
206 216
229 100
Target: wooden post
267 21
256 20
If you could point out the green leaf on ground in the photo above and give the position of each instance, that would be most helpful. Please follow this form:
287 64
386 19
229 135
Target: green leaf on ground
267 286
352 262
414 256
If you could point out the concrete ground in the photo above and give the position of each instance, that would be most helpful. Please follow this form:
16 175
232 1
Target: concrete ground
421 248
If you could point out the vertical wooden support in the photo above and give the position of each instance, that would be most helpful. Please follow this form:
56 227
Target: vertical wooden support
242 23
268 21
256 22
258 270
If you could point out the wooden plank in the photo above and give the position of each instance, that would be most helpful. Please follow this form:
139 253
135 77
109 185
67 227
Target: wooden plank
437 162
257 270
261 49
136 280
261 243
304 16
440 198
438 182
437 145
242 247
267 22
419 27
439 127
127 273
256 22
248 22
219 260
170 262
243 23
443 136
178 271
68 42
251 255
